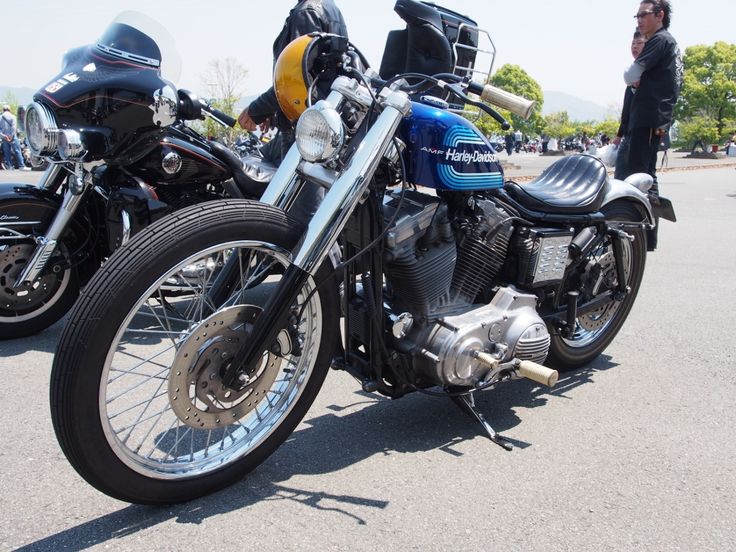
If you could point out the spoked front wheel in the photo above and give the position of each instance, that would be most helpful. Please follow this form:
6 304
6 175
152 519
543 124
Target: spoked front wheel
139 402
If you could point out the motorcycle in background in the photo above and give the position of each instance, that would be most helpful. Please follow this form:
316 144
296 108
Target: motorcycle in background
449 291
112 129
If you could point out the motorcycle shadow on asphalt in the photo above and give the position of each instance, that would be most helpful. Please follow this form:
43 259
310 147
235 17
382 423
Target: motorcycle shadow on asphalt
333 441
42 342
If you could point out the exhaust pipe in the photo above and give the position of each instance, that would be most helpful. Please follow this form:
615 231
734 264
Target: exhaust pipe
537 372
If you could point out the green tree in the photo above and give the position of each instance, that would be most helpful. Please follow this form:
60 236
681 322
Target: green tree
708 96
10 99
224 83
700 129
558 125
608 127
514 79
587 127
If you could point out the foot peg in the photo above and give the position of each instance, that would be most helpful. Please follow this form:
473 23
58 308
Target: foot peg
537 372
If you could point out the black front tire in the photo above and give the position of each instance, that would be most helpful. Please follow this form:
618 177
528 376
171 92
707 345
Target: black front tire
94 344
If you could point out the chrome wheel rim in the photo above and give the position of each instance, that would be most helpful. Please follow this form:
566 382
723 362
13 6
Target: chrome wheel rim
590 326
135 400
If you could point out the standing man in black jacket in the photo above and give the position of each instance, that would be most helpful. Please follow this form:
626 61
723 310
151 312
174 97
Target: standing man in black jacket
306 17
657 76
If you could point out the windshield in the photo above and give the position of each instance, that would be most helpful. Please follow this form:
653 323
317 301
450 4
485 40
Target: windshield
136 38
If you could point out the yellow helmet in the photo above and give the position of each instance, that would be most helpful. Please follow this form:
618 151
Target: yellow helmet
293 73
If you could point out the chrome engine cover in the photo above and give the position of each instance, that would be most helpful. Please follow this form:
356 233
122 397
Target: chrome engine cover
508 327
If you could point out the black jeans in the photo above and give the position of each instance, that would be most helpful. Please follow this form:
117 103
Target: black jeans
642 158
642 154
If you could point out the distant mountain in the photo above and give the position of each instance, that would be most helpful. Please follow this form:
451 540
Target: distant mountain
24 96
577 108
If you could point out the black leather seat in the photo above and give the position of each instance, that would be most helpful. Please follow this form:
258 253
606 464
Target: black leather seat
575 184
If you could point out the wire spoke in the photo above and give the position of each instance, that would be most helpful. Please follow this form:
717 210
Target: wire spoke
135 386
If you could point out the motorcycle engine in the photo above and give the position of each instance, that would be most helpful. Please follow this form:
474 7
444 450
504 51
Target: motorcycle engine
435 270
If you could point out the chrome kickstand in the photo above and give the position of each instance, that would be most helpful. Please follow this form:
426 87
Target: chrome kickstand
467 405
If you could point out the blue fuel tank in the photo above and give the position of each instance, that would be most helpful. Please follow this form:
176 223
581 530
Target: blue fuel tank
447 152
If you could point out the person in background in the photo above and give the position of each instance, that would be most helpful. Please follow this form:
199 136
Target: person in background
509 143
518 140
306 17
657 76
9 137
622 136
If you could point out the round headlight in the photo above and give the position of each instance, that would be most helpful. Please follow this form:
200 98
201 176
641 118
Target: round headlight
319 133
71 147
41 129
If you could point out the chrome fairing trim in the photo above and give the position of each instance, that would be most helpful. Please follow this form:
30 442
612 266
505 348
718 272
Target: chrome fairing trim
128 56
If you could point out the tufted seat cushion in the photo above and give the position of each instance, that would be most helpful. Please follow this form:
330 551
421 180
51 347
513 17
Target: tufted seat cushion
573 184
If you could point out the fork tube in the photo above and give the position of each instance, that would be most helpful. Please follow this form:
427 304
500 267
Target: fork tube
281 187
322 231
344 195
46 244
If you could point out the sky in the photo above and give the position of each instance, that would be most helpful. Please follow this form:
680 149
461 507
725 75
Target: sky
576 47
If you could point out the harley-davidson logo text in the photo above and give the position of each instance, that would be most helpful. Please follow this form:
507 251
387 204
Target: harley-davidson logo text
469 156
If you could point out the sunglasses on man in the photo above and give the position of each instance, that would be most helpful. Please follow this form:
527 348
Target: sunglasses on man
642 15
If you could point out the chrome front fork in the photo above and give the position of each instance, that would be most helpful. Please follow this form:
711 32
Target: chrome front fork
46 244
347 189
343 196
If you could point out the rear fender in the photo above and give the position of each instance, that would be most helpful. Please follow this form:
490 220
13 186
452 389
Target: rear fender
618 189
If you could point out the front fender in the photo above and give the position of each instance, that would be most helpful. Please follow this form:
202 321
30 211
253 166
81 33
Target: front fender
618 189
25 210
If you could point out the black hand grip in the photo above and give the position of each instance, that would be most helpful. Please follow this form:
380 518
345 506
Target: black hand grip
219 115
479 89
475 88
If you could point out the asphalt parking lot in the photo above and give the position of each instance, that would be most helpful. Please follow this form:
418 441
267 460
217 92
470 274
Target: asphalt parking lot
633 452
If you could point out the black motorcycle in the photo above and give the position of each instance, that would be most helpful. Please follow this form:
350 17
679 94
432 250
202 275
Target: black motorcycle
112 127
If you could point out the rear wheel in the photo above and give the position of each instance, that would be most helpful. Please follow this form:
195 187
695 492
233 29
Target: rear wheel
138 400
595 330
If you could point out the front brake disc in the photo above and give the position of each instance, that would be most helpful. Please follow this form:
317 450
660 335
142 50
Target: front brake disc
197 394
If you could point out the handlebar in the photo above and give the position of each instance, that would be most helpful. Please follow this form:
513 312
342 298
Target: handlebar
217 115
506 100
193 107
